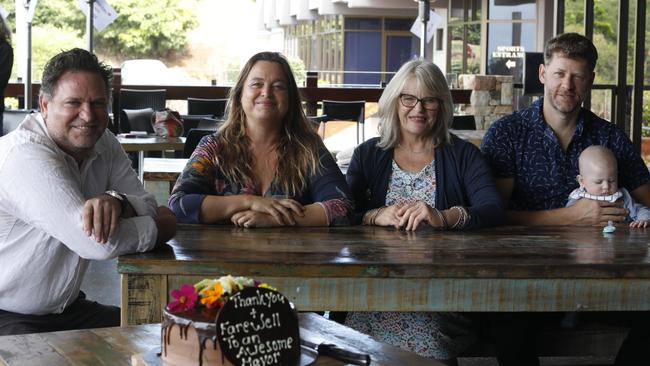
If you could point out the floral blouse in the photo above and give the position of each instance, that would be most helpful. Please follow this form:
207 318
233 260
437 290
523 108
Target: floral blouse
409 187
201 177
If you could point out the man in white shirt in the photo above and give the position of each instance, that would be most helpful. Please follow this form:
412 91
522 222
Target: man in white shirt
68 194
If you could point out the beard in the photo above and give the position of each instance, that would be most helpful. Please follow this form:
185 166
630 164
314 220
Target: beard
566 103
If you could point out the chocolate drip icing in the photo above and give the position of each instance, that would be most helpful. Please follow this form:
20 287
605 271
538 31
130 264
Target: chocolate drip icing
202 322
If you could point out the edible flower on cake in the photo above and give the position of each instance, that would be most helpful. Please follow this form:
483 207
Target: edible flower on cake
209 293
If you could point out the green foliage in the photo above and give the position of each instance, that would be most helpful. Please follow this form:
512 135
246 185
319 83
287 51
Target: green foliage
47 41
298 68
646 114
233 69
144 28
148 28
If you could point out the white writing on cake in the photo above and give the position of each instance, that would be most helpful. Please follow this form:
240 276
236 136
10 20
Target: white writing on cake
258 349
266 299
253 336
248 326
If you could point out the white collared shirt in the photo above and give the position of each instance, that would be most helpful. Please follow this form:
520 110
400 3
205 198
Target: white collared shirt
44 250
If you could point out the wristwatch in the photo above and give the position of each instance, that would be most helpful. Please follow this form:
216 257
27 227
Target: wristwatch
120 197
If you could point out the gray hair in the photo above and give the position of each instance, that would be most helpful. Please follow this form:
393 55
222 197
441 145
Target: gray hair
434 83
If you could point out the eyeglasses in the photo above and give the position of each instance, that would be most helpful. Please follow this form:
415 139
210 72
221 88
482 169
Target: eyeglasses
410 101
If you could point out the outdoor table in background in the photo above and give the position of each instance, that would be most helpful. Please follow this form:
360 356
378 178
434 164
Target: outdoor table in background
133 346
473 136
140 144
163 170
361 268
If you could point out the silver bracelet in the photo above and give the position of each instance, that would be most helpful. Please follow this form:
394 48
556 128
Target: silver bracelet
463 217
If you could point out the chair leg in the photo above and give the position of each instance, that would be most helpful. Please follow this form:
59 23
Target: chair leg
358 124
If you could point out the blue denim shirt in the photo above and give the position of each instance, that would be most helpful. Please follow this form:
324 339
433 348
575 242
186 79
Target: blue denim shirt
524 147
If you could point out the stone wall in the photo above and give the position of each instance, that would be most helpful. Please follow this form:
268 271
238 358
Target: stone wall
491 99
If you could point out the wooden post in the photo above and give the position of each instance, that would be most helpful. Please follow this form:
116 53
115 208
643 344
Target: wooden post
312 82
117 85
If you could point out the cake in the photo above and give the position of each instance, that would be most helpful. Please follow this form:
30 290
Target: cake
189 338
189 326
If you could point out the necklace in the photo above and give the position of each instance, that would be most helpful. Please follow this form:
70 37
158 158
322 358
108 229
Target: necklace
427 150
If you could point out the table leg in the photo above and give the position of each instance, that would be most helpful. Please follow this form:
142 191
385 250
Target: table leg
143 298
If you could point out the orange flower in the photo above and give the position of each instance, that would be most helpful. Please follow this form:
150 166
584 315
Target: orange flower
211 296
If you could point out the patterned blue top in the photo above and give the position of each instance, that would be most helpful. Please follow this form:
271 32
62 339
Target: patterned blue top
522 146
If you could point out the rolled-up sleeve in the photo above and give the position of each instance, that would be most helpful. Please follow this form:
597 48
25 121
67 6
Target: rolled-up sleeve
329 188
54 204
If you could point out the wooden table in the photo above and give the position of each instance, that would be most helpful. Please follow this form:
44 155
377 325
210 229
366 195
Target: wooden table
381 269
132 345
141 144
163 170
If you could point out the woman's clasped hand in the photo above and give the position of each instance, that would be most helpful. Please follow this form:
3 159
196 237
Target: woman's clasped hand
266 211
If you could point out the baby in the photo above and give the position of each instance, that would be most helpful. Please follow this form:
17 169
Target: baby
598 180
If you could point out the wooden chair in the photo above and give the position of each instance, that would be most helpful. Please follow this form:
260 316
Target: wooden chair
338 110
214 108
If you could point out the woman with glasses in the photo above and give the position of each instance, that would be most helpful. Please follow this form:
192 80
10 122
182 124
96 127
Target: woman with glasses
416 175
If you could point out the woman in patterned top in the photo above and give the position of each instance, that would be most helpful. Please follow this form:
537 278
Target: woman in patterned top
417 175
265 166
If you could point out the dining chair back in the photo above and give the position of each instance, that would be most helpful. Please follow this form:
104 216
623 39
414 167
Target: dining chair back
142 98
338 110
215 108
209 124
11 118
192 121
192 141
136 120
464 122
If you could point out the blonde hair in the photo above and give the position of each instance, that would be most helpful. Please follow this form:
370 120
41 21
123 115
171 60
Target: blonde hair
298 147
429 77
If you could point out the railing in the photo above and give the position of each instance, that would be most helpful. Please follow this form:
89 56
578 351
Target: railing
312 94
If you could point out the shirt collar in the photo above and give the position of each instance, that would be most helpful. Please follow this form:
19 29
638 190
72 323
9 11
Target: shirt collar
540 122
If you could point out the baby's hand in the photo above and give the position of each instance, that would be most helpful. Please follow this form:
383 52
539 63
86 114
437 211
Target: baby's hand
640 223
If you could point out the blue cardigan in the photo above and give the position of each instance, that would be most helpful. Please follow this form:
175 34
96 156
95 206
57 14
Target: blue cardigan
462 177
